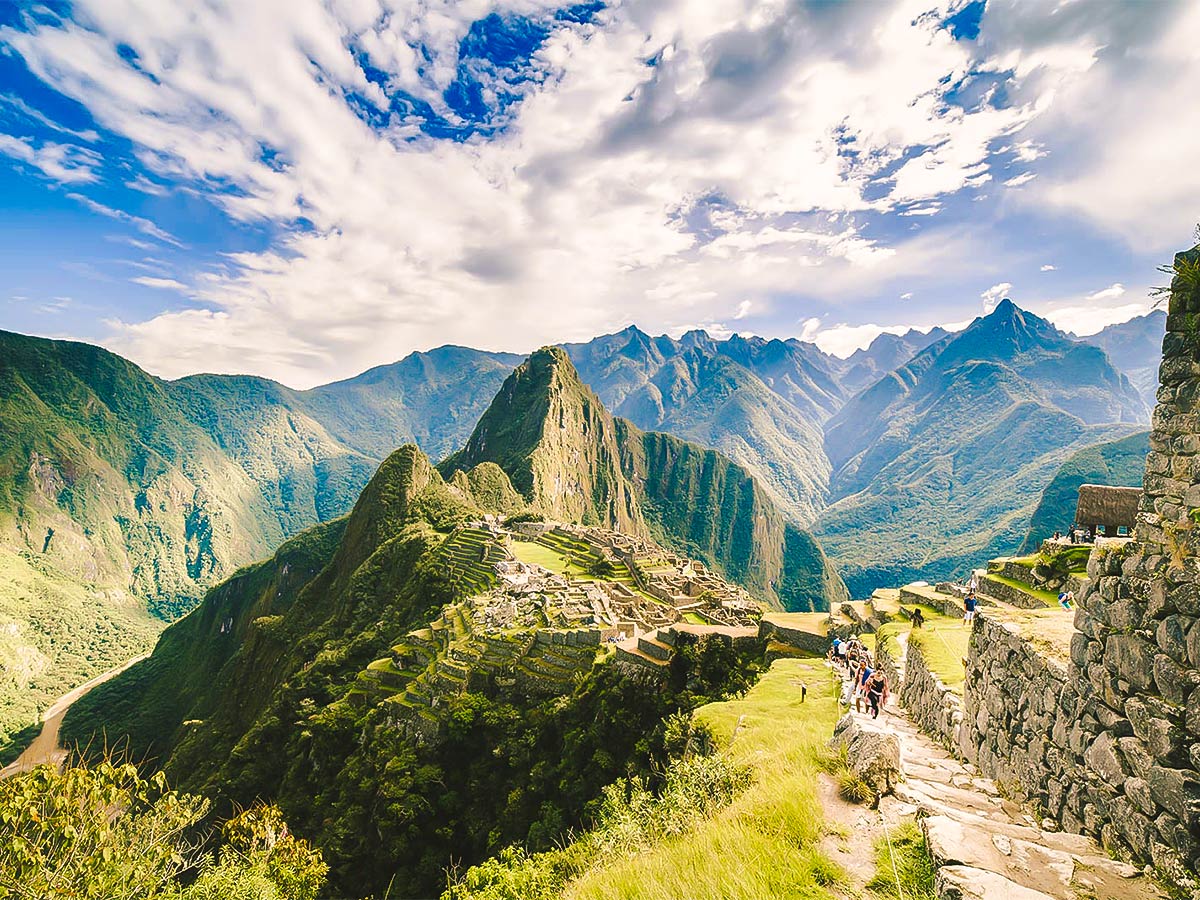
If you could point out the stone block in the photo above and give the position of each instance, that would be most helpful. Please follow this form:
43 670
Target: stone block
1193 644
1139 793
1174 682
1104 758
1155 723
1177 791
1171 637
1131 658
1135 754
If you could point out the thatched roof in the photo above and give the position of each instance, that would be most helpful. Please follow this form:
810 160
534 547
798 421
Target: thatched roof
1110 506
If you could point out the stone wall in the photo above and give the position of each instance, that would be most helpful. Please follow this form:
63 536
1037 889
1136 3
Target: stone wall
1109 746
1015 728
932 705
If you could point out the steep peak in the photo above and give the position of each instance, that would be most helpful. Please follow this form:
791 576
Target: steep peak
387 503
1009 329
553 438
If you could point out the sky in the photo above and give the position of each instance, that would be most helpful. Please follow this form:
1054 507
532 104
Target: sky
302 189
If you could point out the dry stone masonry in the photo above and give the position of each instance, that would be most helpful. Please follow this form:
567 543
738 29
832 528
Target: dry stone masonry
1107 743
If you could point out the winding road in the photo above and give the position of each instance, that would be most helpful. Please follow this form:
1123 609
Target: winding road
45 748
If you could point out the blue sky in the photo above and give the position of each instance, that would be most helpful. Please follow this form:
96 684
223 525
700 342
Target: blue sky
306 189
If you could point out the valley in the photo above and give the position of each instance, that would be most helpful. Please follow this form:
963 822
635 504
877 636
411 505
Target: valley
170 486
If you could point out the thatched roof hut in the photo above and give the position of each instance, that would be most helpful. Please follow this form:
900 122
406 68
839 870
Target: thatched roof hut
1107 507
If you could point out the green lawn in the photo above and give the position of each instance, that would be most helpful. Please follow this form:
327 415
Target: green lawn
943 642
1045 596
766 844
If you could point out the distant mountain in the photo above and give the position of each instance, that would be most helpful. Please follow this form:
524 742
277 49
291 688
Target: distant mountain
1117 463
759 402
115 484
941 462
1135 347
885 354
571 459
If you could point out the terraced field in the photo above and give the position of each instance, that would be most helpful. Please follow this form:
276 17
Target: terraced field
567 555
470 556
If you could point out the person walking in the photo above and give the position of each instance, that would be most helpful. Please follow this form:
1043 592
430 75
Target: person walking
969 604
917 618
1066 599
876 690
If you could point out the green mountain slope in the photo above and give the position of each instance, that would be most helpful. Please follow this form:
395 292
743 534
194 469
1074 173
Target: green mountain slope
1118 463
570 458
282 685
941 462
114 483
1135 347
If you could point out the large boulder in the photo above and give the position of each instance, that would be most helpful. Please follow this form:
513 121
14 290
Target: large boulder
967 883
872 754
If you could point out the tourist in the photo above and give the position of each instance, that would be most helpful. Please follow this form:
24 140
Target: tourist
1066 599
876 689
860 688
917 618
969 604
835 651
1058 537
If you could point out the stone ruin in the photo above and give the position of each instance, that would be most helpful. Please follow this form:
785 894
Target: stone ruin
1107 742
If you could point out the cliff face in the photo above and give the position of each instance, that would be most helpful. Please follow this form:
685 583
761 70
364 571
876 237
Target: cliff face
557 443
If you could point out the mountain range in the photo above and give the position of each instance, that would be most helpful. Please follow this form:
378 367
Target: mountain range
124 497
941 462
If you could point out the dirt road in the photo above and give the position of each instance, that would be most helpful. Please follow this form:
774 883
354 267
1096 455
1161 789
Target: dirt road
44 748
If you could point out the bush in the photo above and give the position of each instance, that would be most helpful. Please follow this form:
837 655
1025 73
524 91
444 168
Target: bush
104 831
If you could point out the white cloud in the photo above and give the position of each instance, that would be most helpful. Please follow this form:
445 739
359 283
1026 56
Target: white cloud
1018 180
743 309
1048 268
907 295
619 191
145 226
1119 112
169 284
1085 320
993 295
1109 293
65 163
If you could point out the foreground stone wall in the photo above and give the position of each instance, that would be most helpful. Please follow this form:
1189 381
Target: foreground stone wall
1110 747
1016 728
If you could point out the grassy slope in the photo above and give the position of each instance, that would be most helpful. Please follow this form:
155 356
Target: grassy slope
1118 463
764 845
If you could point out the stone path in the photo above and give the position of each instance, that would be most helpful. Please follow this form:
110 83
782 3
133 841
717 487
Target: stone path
985 846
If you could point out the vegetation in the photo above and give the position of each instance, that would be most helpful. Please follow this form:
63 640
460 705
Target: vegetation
904 870
55 634
104 831
743 824
942 463
943 642
249 697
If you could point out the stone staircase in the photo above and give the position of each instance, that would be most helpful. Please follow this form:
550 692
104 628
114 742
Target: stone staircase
986 847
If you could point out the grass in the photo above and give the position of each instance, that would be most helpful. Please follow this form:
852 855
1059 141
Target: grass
766 843
1045 596
943 642
901 857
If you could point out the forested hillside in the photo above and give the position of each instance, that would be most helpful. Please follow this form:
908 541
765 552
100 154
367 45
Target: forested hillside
942 462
